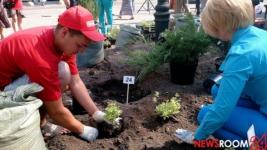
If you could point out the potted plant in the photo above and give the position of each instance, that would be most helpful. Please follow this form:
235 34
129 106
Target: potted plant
181 48
95 51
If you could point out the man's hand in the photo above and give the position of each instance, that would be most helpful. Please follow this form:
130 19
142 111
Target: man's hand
99 116
185 135
89 133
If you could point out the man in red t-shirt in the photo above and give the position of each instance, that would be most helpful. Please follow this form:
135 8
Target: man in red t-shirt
37 52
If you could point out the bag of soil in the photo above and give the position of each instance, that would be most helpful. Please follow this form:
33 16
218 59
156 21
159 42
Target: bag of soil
20 119
127 35
93 55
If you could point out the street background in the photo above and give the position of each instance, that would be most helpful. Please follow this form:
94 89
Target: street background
38 15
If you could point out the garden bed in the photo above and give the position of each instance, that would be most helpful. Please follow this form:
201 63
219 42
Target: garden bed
142 130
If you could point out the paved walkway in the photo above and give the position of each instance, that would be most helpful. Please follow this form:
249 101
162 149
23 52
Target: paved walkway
47 15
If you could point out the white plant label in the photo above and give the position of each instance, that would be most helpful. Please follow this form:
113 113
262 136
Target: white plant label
128 79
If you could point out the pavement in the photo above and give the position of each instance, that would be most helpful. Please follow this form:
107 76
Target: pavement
38 15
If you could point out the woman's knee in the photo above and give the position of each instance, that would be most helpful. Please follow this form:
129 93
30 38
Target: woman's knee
202 112
214 91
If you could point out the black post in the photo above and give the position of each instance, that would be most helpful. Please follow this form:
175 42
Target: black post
198 7
162 16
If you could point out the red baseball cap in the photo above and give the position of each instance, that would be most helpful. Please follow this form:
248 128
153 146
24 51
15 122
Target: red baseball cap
79 18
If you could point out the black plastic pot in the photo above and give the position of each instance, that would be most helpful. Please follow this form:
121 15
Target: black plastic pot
183 74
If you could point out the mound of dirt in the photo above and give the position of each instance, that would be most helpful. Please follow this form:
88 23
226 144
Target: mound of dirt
141 127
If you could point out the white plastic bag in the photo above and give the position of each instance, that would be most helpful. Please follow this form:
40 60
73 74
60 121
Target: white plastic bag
20 119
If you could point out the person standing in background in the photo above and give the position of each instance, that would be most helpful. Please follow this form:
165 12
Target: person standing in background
4 23
181 6
16 15
105 6
127 8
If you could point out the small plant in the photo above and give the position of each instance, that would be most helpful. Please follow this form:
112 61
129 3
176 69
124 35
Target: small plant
112 112
147 24
113 33
170 107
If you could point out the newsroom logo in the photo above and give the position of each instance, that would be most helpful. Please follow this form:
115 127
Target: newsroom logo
254 143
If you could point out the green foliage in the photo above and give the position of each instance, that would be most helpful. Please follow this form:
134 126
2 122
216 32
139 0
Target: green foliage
113 33
91 5
137 59
112 112
147 23
169 108
184 46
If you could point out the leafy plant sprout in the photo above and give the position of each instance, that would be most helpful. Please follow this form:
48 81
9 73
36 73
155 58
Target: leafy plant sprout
170 107
113 33
112 112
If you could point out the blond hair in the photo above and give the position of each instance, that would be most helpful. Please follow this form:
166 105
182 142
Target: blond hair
227 14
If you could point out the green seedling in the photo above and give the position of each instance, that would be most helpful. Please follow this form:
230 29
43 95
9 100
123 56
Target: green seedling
112 112
114 32
170 107
147 23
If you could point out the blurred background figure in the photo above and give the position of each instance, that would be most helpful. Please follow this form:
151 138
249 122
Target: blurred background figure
181 6
16 15
70 3
4 23
202 4
127 8
105 7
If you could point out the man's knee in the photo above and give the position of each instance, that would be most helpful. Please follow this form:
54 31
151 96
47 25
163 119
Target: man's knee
64 74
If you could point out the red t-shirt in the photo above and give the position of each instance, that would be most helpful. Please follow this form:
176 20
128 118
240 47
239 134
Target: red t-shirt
32 52
18 5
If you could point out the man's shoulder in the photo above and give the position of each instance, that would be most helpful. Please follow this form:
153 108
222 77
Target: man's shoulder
29 34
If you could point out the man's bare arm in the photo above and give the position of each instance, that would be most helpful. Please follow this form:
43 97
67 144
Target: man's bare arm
81 94
62 116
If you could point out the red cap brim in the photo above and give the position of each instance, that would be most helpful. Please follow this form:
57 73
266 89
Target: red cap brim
94 35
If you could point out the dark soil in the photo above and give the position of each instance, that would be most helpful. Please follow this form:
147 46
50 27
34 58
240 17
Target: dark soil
142 130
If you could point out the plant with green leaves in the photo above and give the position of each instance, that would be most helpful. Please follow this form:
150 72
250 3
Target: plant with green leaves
112 112
91 5
183 46
114 32
169 107
147 23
